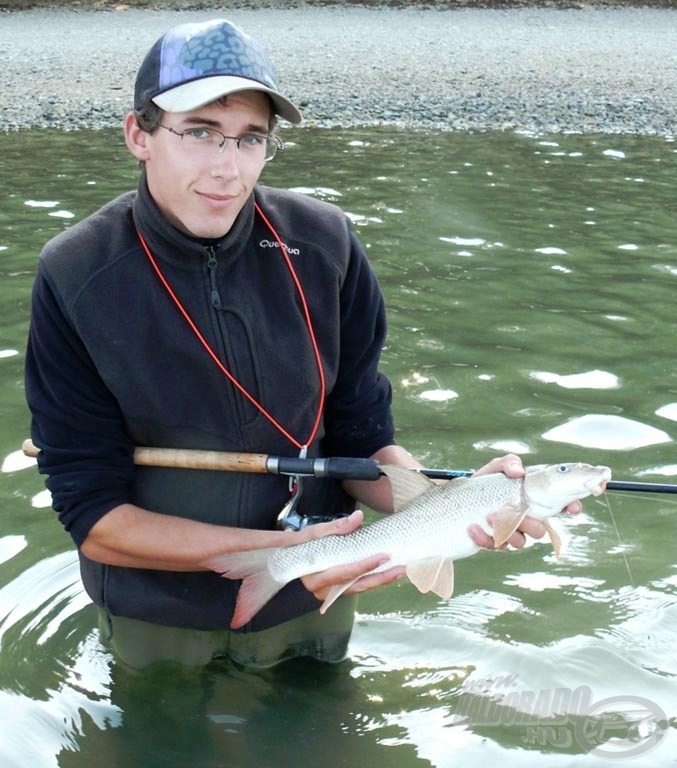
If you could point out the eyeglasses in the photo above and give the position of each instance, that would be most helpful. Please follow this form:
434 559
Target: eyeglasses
204 141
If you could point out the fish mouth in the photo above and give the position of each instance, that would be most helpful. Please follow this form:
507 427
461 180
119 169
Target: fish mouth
598 487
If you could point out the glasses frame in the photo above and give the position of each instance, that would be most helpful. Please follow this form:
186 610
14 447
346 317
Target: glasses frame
273 142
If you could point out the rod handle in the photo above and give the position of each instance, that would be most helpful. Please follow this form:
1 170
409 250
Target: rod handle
186 458
353 469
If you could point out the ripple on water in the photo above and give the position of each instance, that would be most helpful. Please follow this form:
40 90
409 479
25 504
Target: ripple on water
507 446
648 629
668 411
53 671
37 729
16 461
11 546
606 432
35 605
586 380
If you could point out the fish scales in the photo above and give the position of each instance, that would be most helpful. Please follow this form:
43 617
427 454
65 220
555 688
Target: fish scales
427 526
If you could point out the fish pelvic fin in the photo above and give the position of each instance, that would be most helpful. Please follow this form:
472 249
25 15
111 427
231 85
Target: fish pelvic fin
406 484
506 522
436 574
334 593
258 586
554 537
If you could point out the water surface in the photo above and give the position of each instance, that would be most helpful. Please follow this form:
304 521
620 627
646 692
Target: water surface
530 282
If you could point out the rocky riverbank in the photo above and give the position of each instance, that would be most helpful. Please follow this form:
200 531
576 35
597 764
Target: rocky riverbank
537 69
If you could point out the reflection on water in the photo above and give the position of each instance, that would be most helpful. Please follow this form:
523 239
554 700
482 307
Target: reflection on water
530 283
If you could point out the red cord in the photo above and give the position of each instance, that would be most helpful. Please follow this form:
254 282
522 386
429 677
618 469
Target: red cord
223 368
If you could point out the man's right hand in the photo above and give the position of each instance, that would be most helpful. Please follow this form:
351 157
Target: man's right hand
358 572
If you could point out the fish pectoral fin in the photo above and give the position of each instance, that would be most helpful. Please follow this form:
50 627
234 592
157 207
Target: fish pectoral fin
506 522
436 574
406 484
554 537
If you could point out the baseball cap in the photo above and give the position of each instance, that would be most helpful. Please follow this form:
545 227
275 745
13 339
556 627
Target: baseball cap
194 64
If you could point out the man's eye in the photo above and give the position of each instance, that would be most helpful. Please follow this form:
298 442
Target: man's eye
251 140
200 134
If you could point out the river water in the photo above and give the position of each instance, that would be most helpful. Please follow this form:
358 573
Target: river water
531 285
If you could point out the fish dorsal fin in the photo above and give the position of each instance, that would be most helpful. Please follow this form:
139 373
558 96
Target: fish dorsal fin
506 522
406 484
436 574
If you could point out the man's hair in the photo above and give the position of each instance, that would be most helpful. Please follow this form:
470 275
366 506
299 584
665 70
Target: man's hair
149 115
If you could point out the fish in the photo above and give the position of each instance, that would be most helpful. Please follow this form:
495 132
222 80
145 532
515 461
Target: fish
426 533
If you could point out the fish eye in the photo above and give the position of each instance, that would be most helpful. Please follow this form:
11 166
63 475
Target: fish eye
563 468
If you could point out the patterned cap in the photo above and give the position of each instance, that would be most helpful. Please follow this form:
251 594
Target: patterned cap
195 64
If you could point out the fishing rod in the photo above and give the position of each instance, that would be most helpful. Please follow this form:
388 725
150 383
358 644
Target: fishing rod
336 468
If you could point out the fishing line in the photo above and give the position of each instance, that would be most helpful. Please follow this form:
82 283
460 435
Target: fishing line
620 542
642 497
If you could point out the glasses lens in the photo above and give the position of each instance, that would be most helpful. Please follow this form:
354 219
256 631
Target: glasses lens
203 141
273 143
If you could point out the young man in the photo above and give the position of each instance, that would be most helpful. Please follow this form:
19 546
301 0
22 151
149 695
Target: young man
205 311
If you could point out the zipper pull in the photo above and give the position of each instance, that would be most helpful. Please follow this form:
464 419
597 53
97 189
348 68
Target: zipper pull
212 265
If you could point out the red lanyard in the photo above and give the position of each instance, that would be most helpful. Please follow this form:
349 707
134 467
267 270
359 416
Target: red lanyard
304 304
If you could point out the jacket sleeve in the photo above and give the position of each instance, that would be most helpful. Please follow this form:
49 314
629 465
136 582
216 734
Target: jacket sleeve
358 416
85 451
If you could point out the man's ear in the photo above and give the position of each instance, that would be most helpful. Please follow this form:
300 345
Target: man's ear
136 138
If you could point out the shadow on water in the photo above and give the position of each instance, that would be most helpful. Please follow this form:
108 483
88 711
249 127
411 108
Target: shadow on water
530 283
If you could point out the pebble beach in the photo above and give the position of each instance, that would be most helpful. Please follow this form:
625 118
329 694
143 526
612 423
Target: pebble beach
592 70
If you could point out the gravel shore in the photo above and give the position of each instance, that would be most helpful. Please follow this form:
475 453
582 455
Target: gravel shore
544 70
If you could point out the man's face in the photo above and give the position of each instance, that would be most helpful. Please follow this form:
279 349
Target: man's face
202 194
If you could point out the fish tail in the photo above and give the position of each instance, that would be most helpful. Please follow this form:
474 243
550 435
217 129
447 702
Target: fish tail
258 586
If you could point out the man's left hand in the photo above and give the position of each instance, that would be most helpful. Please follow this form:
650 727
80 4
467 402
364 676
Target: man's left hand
511 466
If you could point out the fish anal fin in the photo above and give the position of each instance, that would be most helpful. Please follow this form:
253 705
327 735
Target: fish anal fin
505 522
436 574
554 537
406 484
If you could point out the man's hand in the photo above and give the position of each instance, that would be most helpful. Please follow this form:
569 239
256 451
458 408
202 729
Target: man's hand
512 466
320 583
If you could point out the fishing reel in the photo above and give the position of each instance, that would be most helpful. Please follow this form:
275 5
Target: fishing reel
291 519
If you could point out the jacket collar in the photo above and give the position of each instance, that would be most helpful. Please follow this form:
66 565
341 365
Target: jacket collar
179 249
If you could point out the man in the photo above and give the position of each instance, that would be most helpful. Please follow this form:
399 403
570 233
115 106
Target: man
207 311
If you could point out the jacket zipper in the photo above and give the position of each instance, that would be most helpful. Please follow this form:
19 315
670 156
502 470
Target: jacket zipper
212 265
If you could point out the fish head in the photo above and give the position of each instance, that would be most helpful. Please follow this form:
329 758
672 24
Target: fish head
548 488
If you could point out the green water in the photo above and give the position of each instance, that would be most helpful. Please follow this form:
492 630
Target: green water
531 287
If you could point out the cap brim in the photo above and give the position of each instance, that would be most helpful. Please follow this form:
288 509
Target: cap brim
197 93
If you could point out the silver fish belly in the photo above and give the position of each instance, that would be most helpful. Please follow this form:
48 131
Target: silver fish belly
426 533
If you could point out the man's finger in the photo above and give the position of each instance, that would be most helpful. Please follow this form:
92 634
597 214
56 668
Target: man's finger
340 574
316 583
510 465
338 527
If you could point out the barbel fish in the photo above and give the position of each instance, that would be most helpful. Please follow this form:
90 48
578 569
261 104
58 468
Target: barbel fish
427 532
